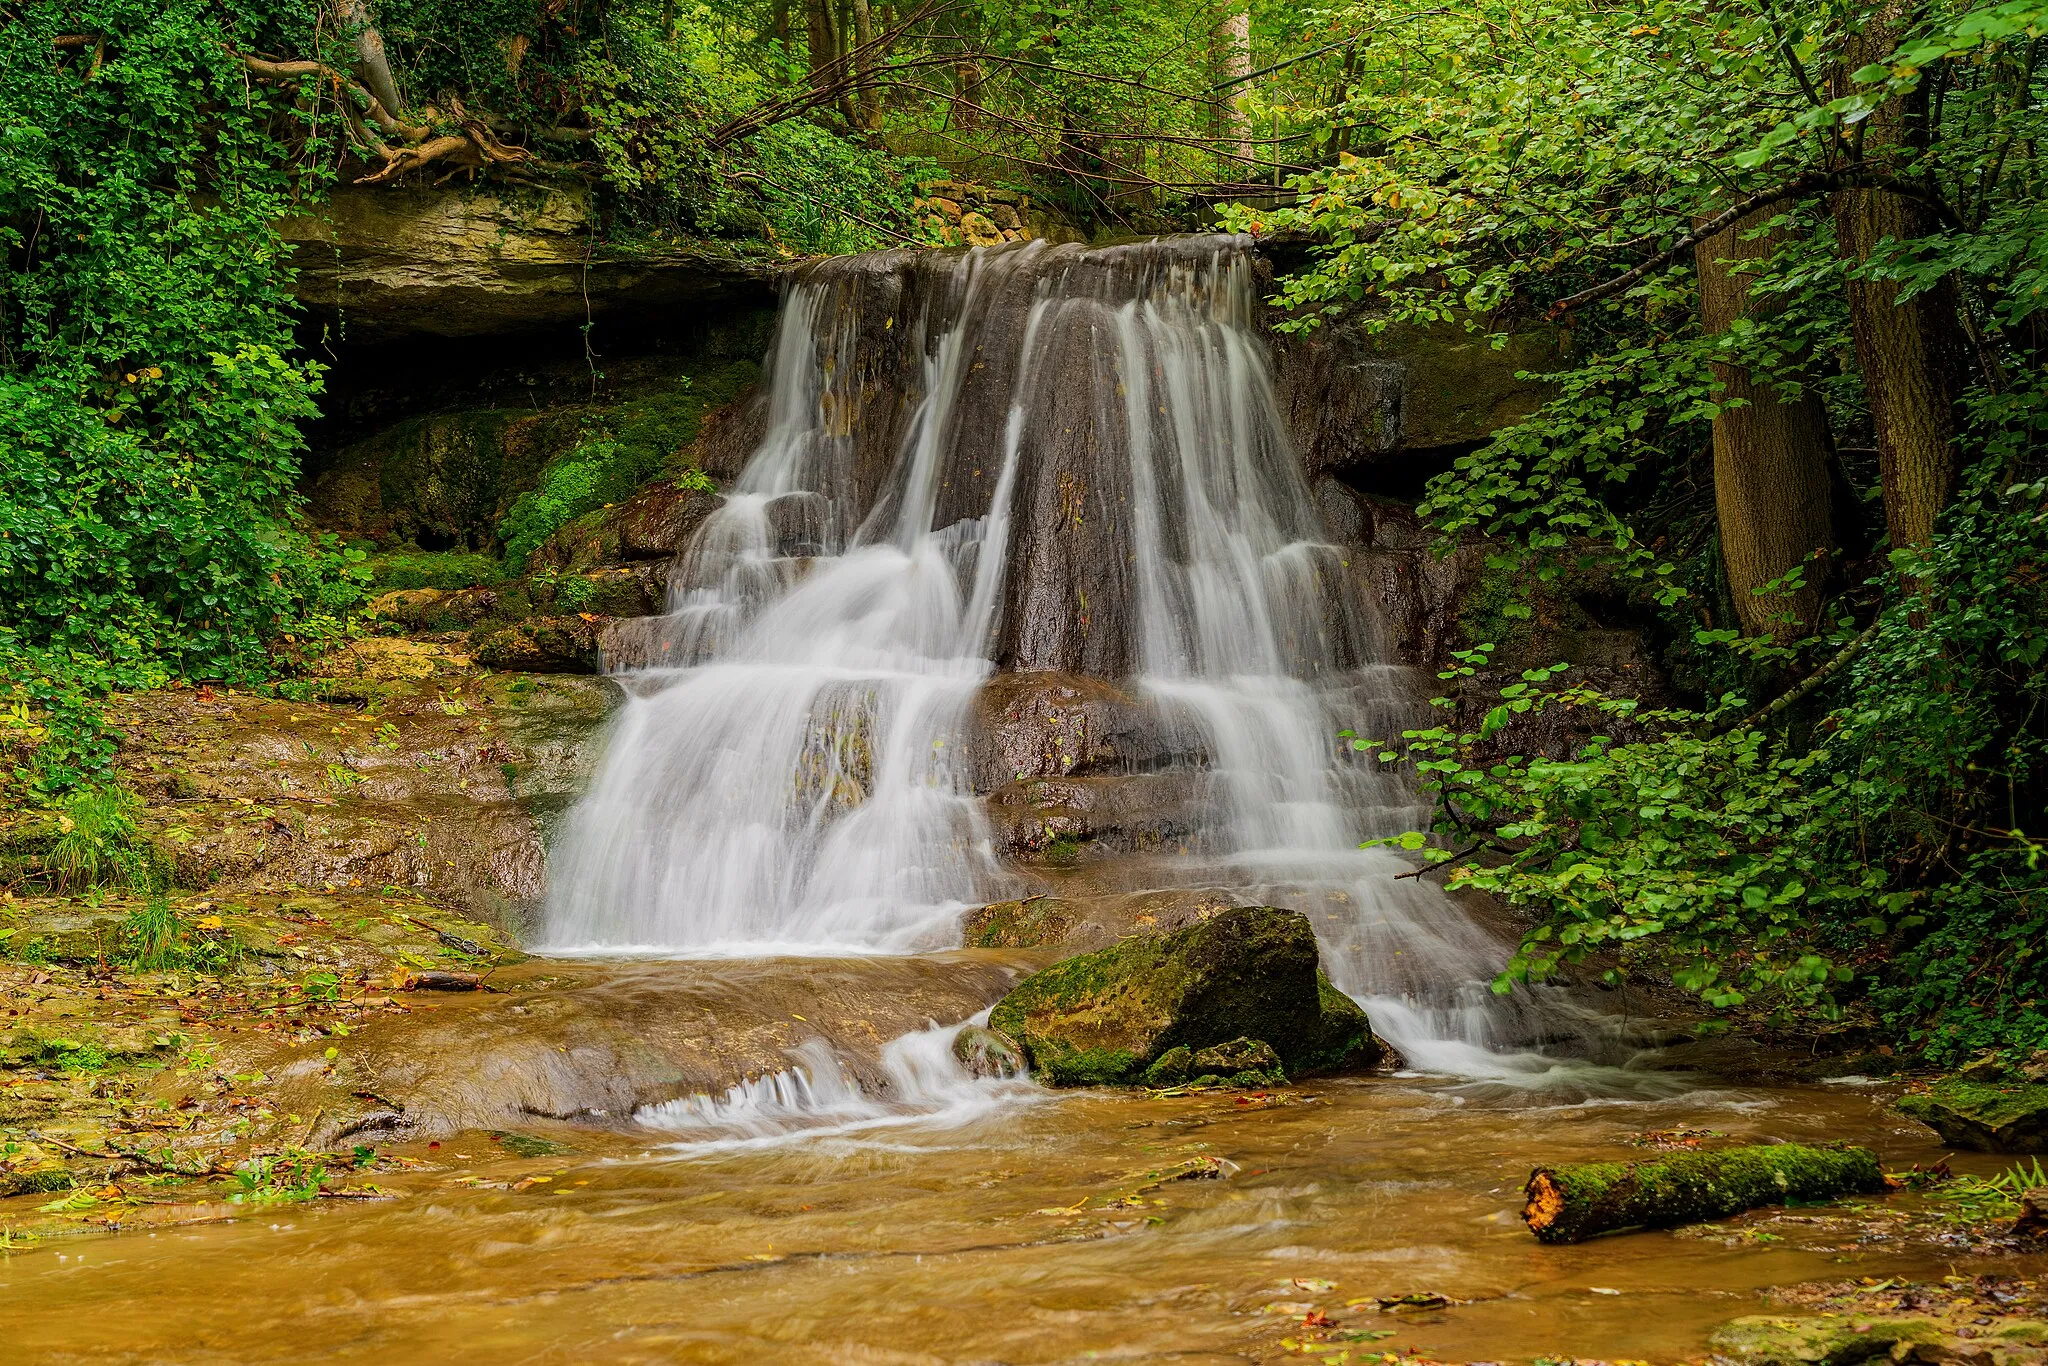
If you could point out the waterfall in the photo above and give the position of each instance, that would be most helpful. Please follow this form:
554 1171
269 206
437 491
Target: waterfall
1022 458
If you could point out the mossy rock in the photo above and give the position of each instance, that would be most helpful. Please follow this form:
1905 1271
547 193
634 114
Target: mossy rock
1838 1339
542 645
1033 923
1983 1116
986 1053
1245 1063
1104 1018
1771 1340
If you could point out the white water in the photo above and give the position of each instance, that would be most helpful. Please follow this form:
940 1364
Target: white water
785 785
789 781
817 1097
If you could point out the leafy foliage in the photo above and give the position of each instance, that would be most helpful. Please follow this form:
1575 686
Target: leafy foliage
149 404
1876 839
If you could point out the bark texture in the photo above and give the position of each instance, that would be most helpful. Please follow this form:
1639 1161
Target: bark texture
1770 457
1911 352
822 40
869 102
373 68
1571 1203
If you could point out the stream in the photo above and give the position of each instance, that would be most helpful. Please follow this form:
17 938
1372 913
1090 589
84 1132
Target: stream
1032 1228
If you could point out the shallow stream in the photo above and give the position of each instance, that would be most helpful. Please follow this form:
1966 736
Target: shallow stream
1041 1228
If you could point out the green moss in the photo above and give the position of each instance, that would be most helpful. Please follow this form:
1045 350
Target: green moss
447 570
617 451
1033 923
1579 1200
1246 975
1984 1116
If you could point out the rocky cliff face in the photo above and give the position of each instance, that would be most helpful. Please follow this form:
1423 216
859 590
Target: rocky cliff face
394 262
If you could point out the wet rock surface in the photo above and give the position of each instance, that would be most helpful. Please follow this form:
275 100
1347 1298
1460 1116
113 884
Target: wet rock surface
1355 399
1121 812
1994 1320
595 1043
296 1022
564 644
656 523
1082 921
1250 974
1054 725
426 773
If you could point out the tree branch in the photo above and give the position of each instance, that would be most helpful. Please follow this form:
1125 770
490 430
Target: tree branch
1801 186
1813 680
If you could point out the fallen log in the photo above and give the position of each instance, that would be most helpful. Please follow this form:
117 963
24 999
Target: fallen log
1584 1199
435 979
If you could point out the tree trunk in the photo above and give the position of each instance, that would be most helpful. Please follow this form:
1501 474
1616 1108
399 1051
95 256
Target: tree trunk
1913 353
373 68
778 22
821 41
842 33
967 94
1230 58
870 96
1770 457
1571 1203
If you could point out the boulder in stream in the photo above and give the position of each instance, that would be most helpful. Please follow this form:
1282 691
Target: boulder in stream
1245 978
1984 1116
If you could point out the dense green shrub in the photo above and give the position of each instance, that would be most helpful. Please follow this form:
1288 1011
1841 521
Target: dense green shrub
1886 849
149 396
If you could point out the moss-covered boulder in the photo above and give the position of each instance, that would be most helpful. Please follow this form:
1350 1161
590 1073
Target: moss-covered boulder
1247 975
1985 1116
543 645
1241 1062
985 1053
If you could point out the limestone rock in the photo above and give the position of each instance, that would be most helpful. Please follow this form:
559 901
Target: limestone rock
448 787
404 261
1034 922
1050 725
980 231
1354 398
1982 1116
655 523
1125 812
1083 923
1249 974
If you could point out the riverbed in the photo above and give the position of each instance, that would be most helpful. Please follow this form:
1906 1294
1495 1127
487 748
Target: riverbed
1047 1227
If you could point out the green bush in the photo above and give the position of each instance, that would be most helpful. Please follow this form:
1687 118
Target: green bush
149 400
1884 852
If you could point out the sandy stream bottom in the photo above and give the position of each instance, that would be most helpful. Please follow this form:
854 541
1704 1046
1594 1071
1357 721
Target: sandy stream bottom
1047 1230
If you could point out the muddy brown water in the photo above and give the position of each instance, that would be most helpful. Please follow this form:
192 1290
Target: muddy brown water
1049 1231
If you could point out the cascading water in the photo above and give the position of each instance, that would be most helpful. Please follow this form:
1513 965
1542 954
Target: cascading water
1027 458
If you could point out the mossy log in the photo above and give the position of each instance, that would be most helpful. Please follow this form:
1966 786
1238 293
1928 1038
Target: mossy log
1570 1203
